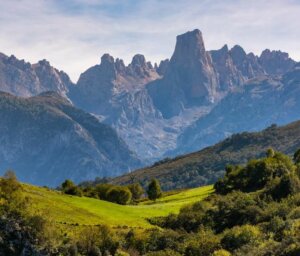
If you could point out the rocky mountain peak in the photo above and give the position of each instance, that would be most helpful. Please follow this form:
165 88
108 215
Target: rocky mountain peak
163 66
24 79
138 60
276 62
190 78
108 66
189 46
44 62
228 75
238 55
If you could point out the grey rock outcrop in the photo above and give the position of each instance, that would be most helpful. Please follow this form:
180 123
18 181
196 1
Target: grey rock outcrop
276 62
24 79
190 79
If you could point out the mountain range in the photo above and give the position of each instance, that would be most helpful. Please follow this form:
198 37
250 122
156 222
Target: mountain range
46 140
188 102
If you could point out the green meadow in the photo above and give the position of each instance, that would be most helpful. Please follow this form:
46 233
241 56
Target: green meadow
73 210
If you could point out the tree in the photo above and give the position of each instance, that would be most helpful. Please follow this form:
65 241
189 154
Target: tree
136 190
68 187
297 156
270 152
119 195
11 197
154 190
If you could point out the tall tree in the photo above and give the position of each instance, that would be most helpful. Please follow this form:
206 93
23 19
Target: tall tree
154 190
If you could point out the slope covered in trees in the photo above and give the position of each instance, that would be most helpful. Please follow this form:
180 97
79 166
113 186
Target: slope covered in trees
206 166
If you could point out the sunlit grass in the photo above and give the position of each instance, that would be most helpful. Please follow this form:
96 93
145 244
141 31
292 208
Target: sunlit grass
73 210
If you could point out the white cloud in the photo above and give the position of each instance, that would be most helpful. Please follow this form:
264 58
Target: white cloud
73 34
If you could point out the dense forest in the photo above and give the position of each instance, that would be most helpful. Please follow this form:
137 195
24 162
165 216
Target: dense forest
255 210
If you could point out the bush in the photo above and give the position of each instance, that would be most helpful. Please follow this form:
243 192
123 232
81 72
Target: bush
239 236
119 195
68 187
203 243
136 190
154 190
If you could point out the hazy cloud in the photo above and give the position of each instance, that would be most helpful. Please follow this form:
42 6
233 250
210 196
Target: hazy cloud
73 34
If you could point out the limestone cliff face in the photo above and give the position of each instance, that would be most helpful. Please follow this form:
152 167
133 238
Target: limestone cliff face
261 102
276 62
24 79
228 74
151 106
190 78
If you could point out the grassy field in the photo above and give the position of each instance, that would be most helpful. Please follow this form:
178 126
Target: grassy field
72 210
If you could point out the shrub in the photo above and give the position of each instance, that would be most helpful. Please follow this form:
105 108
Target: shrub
154 190
136 190
239 236
119 195
203 243
68 187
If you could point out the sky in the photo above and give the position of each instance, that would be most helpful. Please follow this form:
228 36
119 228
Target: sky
74 34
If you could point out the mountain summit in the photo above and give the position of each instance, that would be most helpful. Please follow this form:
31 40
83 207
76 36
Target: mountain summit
190 78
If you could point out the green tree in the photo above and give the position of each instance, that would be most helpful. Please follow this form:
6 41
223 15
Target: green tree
119 195
68 187
270 152
296 157
154 190
136 190
11 197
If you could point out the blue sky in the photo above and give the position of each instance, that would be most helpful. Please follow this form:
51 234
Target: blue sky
73 34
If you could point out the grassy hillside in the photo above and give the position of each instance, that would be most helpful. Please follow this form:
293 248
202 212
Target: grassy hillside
72 210
206 166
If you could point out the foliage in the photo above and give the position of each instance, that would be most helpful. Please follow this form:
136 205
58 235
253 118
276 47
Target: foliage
68 187
136 190
119 195
207 165
154 190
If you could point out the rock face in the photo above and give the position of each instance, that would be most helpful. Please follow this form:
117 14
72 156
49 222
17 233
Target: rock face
190 78
117 94
276 62
23 79
228 74
46 140
185 103
152 107
260 103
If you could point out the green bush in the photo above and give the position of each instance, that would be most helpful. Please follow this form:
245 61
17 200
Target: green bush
154 190
119 195
239 236
136 190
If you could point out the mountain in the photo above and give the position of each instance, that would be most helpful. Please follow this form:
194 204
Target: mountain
45 139
259 103
185 103
207 165
24 79
190 78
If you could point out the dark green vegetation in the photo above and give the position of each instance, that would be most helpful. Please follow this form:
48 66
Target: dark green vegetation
154 191
46 140
255 210
206 166
104 191
113 193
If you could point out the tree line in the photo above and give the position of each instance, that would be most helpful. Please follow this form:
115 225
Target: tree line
113 193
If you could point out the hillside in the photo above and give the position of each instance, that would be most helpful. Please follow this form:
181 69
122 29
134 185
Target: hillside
207 165
45 139
72 210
